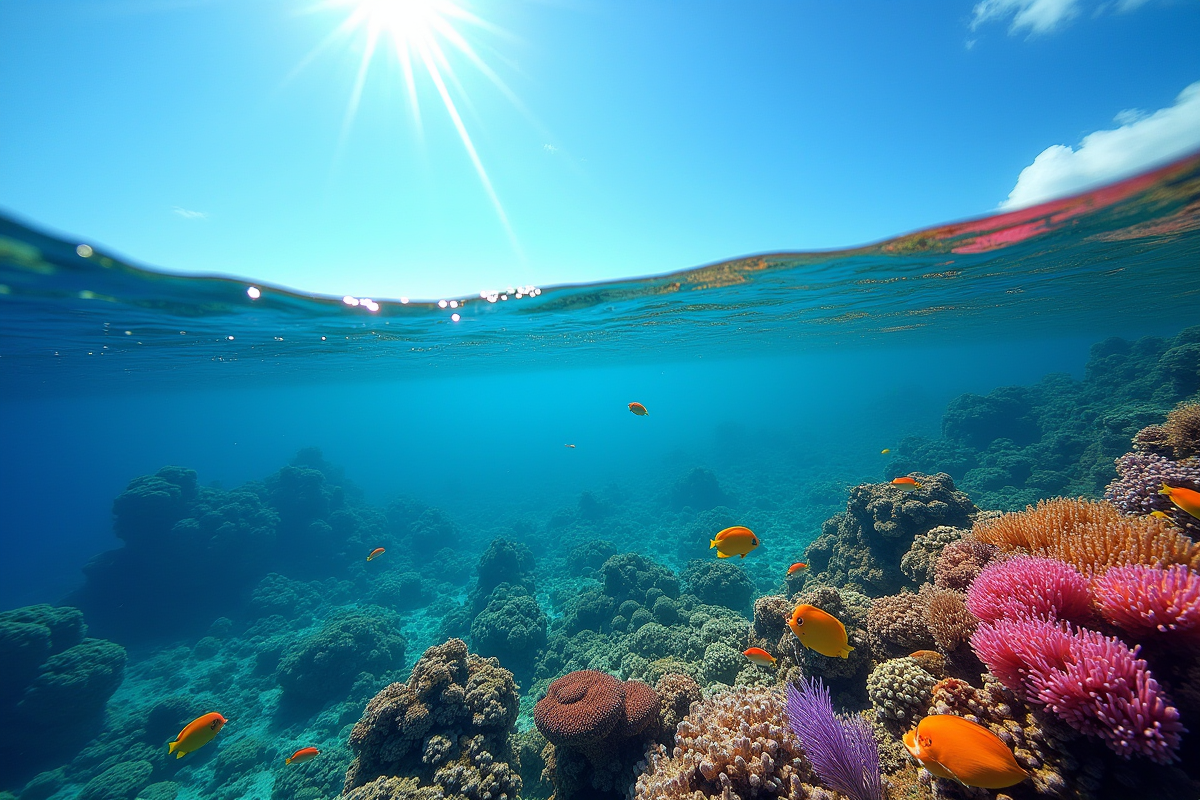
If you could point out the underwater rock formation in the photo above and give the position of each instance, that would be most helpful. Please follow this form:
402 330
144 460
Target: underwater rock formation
719 583
698 490
443 733
56 685
862 548
512 628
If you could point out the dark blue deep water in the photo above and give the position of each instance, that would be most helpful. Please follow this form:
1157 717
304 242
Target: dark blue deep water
1017 354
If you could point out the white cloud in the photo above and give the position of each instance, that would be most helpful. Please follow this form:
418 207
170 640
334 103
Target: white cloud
1038 16
187 214
1105 156
549 148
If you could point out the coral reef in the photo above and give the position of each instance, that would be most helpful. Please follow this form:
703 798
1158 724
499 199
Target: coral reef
719 583
512 628
698 490
1145 601
918 563
899 690
1024 586
448 727
1140 476
323 666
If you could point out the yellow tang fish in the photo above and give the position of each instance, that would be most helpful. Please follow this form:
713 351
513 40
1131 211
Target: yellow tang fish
735 541
196 734
820 632
964 751
1160 515
1186 499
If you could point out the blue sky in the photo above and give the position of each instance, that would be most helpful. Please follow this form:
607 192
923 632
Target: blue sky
195 136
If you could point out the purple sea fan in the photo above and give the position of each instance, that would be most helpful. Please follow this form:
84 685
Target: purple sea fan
1094 683
1143 600
1024 586
841 749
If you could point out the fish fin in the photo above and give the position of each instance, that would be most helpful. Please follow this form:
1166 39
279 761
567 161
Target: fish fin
743 555
846 652
180 754
1165 490
951 772
722 555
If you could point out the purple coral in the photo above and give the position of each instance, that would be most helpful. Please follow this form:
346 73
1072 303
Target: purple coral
1140 475
842 750
1025 586
1142 599
1094 683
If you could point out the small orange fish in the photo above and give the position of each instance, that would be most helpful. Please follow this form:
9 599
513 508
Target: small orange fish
885 451
735 541
794 568
196 734
638 409
820 632
906 483
759 656
1186 499
376 553
964 751
302 755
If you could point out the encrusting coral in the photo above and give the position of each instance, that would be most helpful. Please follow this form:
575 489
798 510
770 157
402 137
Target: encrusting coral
1091 535
446 730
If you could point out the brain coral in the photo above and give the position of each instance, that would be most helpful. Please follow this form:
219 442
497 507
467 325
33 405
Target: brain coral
899 690
446 729
1091 535
581 708
734 744
1144 600
1024 586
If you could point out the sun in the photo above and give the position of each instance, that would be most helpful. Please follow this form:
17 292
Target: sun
424 37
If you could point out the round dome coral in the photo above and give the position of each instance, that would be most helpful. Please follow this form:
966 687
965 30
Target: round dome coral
580 707
641 708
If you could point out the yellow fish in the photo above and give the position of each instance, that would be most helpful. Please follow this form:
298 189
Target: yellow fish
1186 499
735 541
1160 515
196 734
964 751
885 451
820 632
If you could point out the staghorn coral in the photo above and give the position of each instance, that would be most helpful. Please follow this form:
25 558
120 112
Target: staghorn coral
960 561
1140 476
598 728
843 751
444 732
1091 535
1024 586
899 690
1094 683
950 622
1144 600
918 563
897 625
734 744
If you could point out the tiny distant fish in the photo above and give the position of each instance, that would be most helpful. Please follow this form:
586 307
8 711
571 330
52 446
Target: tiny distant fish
819 631
302 755
759 656
570 446
376 553
1186 499
794 568
906 483
885 451
734 541
196 734
638 409
956 748
1160 514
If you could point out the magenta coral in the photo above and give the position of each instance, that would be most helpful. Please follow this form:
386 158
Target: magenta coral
1141 599
1025 586
1094 683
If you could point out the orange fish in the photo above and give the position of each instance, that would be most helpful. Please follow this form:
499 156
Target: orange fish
638 409
759 656
794 568
196 734
1186 499
735 541
821 632
906 483
302 755
964 751
376 553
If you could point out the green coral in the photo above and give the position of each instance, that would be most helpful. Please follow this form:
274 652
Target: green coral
119 782
323 666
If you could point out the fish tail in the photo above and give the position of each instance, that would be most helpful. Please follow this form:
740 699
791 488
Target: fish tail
1165 490
287 760
712 543
172 747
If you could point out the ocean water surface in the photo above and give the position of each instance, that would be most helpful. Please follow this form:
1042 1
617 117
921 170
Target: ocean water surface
195 469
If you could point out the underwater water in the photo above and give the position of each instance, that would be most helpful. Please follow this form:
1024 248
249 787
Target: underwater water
195 470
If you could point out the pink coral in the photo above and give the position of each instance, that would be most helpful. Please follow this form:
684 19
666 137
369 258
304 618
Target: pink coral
1024 586
1143 600
1094 683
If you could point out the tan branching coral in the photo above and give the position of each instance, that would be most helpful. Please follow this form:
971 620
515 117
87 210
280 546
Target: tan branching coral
950 623
735 744
1092 535
896 625
1182 430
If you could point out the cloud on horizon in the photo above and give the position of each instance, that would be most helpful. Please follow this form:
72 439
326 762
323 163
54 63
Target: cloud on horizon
1040 16
188 214
1143 141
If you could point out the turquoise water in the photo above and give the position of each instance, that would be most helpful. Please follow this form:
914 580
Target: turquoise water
319 428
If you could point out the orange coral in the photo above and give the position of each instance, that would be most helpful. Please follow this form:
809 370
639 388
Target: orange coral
1089 534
